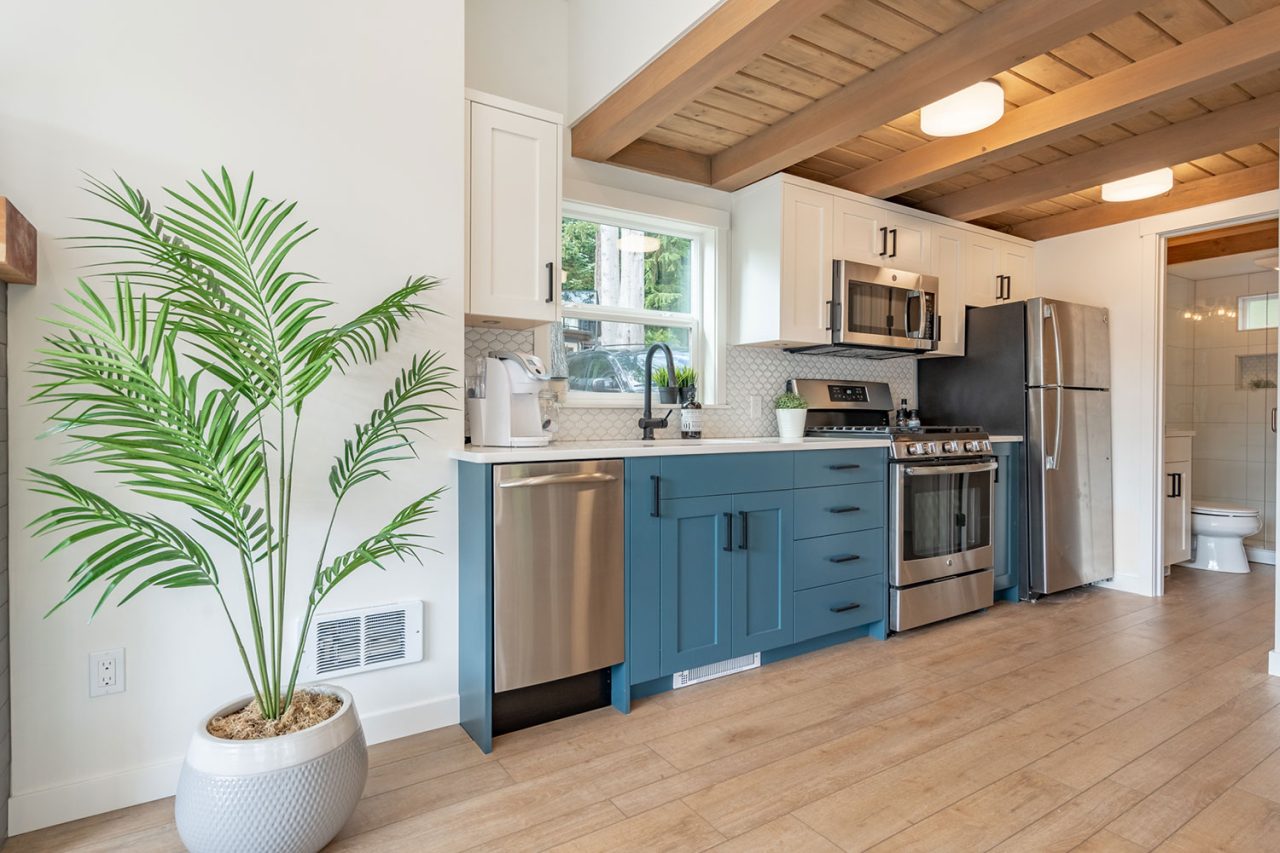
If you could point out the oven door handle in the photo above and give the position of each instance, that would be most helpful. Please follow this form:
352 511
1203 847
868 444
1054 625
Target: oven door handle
931 470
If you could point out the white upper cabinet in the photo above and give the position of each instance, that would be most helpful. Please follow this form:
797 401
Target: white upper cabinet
513 240
788 231
874 235
949 267
782 264
999 271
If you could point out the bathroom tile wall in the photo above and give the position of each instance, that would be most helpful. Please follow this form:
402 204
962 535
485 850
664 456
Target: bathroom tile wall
749 372
1179 349
1233 397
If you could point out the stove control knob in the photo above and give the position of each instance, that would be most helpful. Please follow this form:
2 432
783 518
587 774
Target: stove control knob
972 446
950 447
913 449
986 445
931 447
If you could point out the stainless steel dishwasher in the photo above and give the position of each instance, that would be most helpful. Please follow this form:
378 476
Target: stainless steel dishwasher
557 570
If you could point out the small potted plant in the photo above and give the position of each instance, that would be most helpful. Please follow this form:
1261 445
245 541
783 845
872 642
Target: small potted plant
790 408
187 383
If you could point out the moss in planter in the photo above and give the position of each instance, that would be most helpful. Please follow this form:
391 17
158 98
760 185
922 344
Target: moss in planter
309 709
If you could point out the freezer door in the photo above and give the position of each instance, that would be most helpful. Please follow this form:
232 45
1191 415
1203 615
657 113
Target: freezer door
1068 344
1069 462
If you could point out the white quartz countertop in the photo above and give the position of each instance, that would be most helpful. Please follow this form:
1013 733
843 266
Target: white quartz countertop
565 450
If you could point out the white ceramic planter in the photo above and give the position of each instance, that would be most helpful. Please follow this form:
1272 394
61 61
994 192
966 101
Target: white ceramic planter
790 424
287 794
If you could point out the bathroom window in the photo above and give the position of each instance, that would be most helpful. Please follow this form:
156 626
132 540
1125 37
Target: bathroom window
630 280
1259 311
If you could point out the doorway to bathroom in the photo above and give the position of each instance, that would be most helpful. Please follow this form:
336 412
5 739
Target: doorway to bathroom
1222 309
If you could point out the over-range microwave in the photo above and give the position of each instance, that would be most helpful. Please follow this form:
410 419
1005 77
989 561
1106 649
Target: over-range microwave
877 312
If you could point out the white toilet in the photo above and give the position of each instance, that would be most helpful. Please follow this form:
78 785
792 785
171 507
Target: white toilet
1218 532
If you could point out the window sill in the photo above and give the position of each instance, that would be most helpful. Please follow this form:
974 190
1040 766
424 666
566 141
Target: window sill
627 404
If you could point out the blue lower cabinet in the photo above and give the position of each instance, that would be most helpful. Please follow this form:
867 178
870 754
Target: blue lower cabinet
1007 531
696 580
762 572
839 509
839 606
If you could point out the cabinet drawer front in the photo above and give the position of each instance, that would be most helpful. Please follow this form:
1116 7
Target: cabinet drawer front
839 467
1177 449
827 560
726 474
839 509
838 607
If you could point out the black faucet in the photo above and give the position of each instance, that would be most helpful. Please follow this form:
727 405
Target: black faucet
648 422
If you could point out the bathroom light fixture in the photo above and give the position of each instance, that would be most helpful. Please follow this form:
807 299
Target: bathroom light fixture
1145 185
966 111
643 243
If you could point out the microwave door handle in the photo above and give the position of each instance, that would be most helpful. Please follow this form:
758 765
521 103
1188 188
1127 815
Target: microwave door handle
837 285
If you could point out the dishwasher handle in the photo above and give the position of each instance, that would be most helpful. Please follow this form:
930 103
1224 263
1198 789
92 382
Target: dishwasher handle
558 480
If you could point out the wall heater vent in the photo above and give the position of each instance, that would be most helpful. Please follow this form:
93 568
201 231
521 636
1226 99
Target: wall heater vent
714 670
350 641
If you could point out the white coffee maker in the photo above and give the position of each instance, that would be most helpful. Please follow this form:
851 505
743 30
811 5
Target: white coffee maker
505 410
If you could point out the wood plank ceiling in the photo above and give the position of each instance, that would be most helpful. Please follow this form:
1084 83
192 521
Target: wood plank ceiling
1174 82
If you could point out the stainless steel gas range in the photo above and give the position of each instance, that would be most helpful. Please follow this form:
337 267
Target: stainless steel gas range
941 500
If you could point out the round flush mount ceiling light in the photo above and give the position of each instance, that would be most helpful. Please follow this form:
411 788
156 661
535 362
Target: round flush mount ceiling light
1145 185
634 242
968 110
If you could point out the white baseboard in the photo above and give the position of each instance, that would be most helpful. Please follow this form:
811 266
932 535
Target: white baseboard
1260 555
49 806
1273 662
1136 584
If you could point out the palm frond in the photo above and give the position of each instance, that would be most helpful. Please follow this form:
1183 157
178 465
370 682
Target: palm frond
136 543
387 436
396 540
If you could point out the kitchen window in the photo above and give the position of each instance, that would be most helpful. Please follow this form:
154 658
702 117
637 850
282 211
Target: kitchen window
630 280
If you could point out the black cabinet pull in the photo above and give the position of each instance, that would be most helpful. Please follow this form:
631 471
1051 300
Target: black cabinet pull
847 558
884 242
728 533
995 475
742 543
894 232
551 282
1179 484
845 608
843 467
840 510
656 512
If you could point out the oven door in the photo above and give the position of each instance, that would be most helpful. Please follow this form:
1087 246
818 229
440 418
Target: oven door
884 308
942 520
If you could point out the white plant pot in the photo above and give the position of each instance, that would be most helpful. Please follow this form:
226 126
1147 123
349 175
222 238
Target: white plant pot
286 794
790 424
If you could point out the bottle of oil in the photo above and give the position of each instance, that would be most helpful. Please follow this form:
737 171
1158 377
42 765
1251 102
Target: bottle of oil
690 414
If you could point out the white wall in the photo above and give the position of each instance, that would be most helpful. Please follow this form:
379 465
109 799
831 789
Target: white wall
519 49
1118 267
610 41
356 111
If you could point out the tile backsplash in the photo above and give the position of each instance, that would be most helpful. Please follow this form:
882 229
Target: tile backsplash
749 372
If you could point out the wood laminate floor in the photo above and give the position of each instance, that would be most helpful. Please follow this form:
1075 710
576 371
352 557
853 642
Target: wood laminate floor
1092 720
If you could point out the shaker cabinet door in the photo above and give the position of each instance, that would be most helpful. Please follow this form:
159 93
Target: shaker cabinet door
762 572
697 556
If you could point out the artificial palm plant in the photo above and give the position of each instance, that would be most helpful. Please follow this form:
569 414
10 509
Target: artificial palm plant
189 386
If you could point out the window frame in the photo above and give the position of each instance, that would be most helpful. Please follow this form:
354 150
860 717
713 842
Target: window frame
1271 302
708 229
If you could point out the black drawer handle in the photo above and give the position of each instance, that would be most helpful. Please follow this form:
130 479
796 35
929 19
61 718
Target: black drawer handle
847 558
656 512
845 608
843 467
840 510
728 533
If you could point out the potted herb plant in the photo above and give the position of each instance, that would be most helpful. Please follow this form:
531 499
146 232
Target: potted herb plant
187 383
790 409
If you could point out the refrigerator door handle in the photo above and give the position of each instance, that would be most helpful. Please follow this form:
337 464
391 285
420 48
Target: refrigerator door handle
1051 459
1057 357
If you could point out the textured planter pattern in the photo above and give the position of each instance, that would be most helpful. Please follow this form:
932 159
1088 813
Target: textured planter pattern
294 810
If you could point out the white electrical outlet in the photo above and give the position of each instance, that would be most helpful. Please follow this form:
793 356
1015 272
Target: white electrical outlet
106 672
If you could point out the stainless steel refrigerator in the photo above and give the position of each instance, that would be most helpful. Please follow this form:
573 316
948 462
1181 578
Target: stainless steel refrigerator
1041 369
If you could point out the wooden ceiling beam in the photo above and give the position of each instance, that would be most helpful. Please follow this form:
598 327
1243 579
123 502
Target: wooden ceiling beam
1235 52
17 246
729 37
1233 240
658 159
1005 35
1212 133
1230 185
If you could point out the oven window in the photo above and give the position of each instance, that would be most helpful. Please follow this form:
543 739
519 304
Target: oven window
945 514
